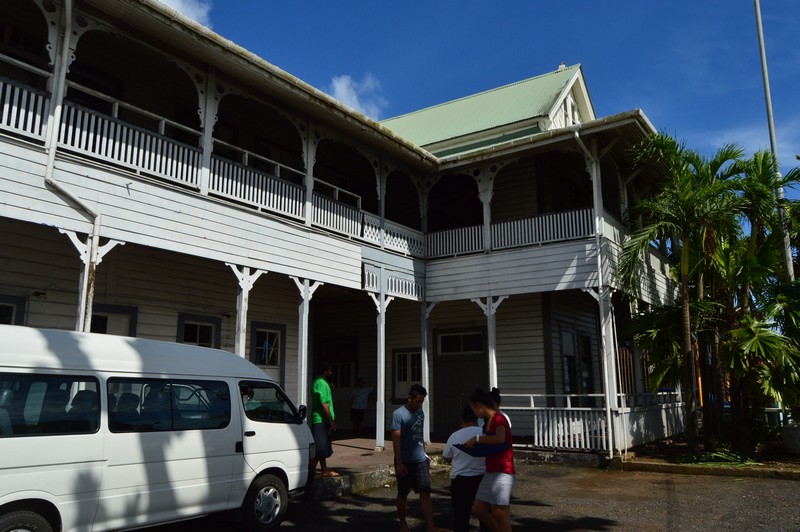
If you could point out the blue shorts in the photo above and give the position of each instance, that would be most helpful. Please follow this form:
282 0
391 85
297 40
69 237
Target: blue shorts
418 477
322 440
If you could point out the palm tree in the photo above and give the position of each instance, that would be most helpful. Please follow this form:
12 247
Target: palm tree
694 205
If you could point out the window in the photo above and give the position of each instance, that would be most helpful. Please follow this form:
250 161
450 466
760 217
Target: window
266 344
114 319
38 405
153 405
199 330
342 374
12 309
265 402
460 343
407 371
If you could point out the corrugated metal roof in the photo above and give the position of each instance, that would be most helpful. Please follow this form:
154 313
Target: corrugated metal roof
531 98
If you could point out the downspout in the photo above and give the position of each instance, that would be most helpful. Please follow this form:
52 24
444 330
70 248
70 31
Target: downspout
51 144
600 291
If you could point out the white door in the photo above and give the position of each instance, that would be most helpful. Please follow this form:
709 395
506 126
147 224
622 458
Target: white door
273 436
172 455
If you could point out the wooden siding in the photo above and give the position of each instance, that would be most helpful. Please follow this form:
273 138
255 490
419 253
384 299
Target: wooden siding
576 311
558 266
139 211
39 263
655 285
520 345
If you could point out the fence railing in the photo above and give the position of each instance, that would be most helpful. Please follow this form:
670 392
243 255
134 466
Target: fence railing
454 242
575 422
23 110
241 183
553 227
336 216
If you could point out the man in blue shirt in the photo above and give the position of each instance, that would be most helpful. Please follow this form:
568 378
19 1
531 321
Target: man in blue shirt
411 464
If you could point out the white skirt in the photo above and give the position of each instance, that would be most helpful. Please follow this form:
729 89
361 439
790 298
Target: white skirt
495 489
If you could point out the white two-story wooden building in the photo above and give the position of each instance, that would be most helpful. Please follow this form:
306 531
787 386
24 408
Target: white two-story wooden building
157 180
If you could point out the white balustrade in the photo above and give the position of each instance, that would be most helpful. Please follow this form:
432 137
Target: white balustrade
336 216
455 241
99 135
23 110
248 185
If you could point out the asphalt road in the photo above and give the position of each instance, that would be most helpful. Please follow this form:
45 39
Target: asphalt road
570 498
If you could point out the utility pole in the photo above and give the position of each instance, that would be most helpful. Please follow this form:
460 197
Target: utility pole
787 245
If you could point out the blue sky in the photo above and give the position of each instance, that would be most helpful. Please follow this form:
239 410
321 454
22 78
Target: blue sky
692 66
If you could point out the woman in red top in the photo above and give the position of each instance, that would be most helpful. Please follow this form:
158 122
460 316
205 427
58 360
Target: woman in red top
494 493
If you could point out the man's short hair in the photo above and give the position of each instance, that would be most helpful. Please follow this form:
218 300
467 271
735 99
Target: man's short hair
417 389
325 366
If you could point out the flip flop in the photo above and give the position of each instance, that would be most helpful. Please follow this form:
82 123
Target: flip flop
331 474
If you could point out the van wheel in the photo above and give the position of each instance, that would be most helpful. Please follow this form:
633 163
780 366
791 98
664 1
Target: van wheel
265 504
24 521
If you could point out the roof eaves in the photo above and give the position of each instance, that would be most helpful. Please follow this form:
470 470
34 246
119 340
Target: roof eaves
288 80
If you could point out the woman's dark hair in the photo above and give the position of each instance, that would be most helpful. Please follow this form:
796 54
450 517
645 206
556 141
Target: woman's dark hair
468 415
482 397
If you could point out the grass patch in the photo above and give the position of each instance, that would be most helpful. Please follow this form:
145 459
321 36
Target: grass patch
727 458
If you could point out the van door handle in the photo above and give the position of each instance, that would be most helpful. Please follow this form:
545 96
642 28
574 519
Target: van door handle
250 433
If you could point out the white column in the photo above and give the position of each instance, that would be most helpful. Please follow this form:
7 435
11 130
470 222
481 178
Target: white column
306 292
209 102
246 282
489 309
381 304
424 343
91 256
607 347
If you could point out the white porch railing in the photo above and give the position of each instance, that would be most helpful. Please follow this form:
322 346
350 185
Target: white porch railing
151 151
455 241
553 227
585 428
23 110
336 216
396 237
241 183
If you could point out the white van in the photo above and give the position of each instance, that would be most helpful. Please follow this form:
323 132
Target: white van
102 432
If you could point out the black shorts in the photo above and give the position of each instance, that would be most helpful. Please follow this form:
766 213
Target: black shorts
322 440
418 477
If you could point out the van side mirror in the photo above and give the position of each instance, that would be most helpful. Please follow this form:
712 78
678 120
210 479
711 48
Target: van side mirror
302 412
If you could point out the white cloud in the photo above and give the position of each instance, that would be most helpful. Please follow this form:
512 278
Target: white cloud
199 10
363 96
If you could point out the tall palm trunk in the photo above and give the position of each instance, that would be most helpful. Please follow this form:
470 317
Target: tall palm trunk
688 352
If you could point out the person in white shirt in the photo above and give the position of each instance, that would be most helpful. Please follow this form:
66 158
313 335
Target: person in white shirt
466 471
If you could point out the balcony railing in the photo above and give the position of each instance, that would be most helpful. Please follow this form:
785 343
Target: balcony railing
258 181
23 110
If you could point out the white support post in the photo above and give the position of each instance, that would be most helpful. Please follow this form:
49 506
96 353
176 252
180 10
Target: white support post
246 281
306 292
381 304
489 309
310 158
603 290
425 316
208 116
91 254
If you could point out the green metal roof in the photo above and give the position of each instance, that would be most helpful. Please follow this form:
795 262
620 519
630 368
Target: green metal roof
517 102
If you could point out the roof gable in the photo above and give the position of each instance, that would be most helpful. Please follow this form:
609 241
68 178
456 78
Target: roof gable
493 113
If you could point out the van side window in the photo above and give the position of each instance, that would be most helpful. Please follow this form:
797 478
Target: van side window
152 405
264 401
39 405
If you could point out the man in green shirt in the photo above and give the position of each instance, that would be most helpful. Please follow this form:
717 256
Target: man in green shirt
323 420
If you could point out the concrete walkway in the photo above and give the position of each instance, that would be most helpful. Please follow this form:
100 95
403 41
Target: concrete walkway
362 468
